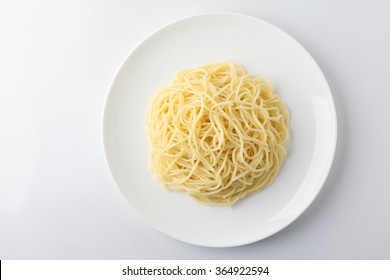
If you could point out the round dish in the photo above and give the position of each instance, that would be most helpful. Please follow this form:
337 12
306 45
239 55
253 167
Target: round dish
264 51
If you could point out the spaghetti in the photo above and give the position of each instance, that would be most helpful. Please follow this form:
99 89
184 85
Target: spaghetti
217 133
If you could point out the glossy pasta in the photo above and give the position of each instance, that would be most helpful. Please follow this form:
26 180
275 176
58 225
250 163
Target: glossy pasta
217 133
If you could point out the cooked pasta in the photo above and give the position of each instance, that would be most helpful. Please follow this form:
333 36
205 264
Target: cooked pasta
217 133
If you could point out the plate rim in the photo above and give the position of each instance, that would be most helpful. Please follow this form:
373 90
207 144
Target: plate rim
332 141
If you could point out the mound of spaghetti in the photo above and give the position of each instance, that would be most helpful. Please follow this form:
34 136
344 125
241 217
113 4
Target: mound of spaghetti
217 133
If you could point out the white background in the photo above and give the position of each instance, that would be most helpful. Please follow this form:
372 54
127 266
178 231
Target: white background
57 199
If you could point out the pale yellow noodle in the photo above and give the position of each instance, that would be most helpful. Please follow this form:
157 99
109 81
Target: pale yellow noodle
217 133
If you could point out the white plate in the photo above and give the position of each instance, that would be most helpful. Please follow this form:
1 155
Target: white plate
263 50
